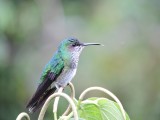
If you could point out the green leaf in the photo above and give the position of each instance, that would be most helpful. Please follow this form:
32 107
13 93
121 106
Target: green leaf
100 109
78 119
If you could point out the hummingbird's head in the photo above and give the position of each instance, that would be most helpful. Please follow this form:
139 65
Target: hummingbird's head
73 46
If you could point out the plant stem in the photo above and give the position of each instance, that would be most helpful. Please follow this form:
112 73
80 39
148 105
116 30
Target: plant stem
72 97
23 115
46 104
107 92
55 116
55 105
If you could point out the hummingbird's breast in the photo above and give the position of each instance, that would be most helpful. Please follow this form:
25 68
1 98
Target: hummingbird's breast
65 77
72 60
70 67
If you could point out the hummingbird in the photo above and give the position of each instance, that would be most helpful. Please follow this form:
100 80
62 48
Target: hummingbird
59 71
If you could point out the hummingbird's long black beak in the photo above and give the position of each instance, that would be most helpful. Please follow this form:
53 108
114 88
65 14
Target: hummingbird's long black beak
87 44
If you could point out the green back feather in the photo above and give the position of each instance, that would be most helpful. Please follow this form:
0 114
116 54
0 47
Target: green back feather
55 65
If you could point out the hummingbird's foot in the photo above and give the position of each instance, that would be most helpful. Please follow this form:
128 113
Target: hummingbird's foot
57 85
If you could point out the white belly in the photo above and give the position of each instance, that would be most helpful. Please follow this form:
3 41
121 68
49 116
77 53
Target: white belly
65 77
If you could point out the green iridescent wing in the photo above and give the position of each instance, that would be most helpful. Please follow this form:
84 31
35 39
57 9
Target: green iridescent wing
49 75
55 66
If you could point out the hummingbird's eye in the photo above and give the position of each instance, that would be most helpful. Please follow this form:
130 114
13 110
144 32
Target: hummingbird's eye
74 44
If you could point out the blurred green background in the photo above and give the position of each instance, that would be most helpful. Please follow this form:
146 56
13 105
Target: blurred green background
128 64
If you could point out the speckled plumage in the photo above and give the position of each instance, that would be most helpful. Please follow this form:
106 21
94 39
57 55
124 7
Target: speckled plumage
58 72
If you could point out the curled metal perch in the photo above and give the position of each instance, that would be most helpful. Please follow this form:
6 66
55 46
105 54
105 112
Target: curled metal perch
107 92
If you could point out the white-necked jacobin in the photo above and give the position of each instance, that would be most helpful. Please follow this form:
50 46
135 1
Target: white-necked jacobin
59 71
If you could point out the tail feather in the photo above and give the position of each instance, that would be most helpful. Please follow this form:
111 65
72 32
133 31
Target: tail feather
40 101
